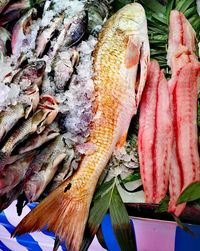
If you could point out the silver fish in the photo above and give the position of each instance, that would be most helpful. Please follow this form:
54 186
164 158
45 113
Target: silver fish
14 113
98 12
63 67
45 115
38 140
4 37
64 171
20 30
46 33
37 183
15 172
76 29
32 72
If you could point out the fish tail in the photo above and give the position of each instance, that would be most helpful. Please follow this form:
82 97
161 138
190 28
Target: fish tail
64 211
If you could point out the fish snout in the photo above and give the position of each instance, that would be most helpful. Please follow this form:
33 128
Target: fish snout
50 105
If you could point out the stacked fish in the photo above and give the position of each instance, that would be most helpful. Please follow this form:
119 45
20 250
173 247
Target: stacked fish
43 59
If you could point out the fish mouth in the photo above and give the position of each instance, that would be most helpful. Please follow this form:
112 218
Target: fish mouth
30 191
48 102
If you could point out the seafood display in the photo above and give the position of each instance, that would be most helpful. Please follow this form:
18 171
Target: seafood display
43 58
117 103
82 104
177 160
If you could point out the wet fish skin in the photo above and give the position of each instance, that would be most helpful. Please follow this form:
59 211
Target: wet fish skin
44 35
39 139
116 59
64 171
21 28
64 67
4 37
46 113
14 113
9 118
33 72
14 173
7 198
3 4
18 5
37 183
98 12
76 29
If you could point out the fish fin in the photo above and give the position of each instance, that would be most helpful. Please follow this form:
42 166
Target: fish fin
144 60
64 211
122 141
132 54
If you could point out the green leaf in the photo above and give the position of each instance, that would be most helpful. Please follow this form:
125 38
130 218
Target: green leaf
103 189
160 17
101 238
121 223
131 177
163 206
190 12
154 6
118 4
183 5
101 205
169 7
183 226
190 193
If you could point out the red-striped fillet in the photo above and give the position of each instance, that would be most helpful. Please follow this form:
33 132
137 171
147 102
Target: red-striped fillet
185 165
155 135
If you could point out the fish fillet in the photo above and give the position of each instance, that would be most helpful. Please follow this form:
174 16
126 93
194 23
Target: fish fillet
155 135
183 86
185 166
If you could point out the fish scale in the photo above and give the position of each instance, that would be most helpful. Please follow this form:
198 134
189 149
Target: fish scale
116 60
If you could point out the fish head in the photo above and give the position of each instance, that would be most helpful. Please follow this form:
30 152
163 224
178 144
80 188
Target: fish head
32 72
37 68
33 187
131 19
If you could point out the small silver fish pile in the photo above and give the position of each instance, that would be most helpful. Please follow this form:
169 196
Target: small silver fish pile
46 91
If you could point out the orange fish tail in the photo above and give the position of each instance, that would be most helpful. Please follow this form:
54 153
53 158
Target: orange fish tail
64 211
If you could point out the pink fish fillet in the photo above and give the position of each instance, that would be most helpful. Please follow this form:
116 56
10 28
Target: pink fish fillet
155 135
185 165
181 33
183 87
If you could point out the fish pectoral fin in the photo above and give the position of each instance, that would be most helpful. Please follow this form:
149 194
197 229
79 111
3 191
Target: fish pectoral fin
132 53
72 207
122 141
142 74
